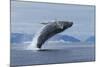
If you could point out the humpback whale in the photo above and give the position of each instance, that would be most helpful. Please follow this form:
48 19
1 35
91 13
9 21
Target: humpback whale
50 29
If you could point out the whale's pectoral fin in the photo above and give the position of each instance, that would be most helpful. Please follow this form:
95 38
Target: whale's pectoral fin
44 23
59 25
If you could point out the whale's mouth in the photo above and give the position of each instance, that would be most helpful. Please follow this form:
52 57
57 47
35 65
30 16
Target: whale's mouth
71 23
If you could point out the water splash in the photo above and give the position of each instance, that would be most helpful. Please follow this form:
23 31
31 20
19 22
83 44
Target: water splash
33 45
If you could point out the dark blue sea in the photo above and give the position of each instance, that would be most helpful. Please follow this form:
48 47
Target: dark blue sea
52 53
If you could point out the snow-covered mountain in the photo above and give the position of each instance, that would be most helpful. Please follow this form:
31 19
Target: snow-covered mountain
20 38
91 39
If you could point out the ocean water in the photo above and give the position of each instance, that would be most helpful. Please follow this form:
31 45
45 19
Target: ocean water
52 53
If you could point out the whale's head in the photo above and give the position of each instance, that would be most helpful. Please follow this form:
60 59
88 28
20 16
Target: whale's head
64 24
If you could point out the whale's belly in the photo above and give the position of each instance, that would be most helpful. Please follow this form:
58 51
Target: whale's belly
47 32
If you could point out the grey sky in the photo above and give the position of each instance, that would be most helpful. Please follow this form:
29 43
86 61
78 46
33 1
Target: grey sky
27 16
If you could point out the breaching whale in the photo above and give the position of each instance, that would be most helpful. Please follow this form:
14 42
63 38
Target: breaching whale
49 30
